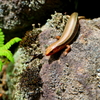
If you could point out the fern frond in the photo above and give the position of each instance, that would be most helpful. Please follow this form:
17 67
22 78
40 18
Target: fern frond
1 38
1 64
7 54
4 48
10 43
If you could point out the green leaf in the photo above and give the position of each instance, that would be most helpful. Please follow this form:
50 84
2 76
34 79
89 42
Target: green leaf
10 43
1 38
1 64
7 54
0 29
4 48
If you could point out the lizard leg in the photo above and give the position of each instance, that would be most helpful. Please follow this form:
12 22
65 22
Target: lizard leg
81 17
57 37
67 50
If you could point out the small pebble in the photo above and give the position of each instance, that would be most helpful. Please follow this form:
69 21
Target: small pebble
98 74
98 86
98 70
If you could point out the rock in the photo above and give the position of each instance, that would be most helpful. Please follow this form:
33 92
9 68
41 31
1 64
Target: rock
75 75
17 13
17 16
25 74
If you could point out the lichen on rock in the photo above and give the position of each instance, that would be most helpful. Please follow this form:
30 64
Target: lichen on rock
15 12
25 77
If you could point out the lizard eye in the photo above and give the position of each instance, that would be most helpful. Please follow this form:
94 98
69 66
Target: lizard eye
51 52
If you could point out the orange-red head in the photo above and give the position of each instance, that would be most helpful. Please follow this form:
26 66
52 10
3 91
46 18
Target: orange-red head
52 49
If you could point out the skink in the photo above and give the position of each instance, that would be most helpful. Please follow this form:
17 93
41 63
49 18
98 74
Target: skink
68 35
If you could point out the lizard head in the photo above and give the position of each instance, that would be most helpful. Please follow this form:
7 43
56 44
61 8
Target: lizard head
52 49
